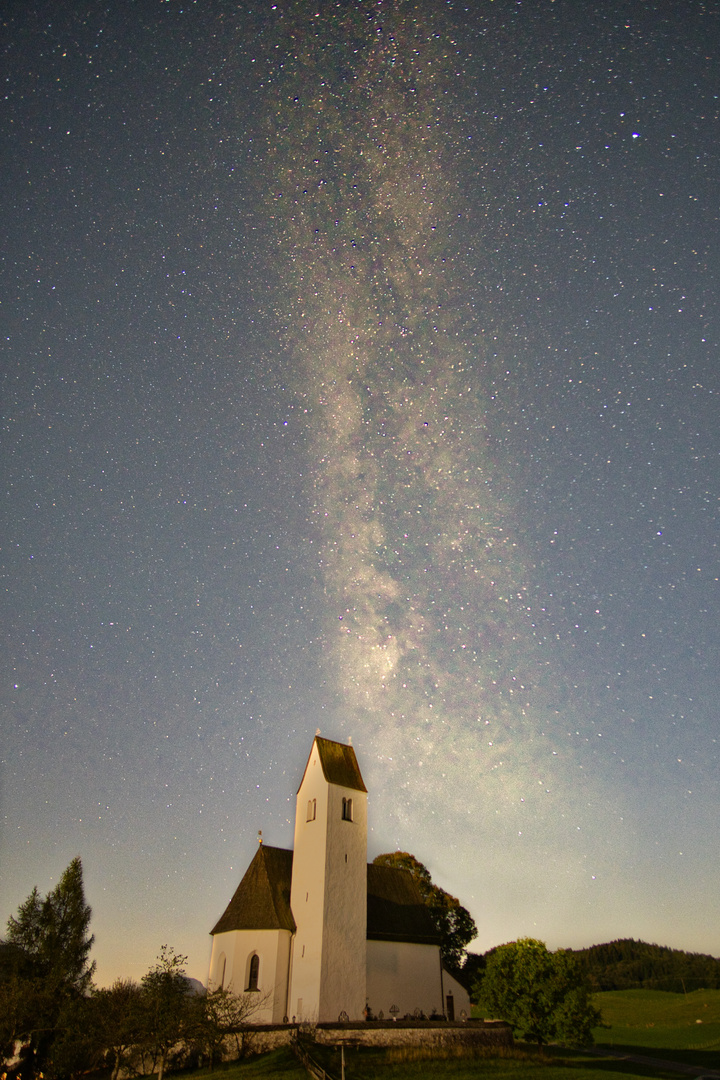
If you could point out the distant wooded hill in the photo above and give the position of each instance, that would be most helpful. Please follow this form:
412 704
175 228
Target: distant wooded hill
629 965
635 965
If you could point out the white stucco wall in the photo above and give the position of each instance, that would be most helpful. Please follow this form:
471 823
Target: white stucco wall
403 974
273 950
461 998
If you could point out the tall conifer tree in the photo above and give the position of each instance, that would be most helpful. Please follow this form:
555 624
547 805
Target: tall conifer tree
49 946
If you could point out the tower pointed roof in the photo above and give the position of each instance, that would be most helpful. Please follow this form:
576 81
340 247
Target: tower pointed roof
339 764
262 899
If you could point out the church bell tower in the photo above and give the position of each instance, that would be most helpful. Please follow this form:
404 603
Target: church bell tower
329 887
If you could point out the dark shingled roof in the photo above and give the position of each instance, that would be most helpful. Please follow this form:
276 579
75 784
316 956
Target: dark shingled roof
262 899
395 909
339 764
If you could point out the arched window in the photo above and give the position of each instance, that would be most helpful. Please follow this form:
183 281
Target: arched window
347 810
312 809
253 972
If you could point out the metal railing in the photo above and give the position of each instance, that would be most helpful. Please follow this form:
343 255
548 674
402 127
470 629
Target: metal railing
311 1066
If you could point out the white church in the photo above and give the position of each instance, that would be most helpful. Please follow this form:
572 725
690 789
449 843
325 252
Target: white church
321 935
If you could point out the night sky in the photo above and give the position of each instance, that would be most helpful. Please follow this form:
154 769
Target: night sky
360 372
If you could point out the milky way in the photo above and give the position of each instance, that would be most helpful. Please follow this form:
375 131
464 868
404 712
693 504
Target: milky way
431 614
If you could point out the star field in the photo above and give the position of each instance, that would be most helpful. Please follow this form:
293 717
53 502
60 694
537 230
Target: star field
360 372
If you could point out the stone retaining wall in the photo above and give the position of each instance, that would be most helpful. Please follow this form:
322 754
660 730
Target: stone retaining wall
404 1033
260 1038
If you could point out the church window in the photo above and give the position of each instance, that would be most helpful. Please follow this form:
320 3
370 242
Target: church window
253 972
347 810
222 962
312 809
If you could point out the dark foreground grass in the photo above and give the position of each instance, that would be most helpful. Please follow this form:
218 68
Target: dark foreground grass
520 1063
412 1063
281 1063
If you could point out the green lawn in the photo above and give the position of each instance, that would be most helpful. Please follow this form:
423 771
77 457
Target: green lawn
679 1027
656 1018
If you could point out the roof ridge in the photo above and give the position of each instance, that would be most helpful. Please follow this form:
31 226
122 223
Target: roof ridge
339 764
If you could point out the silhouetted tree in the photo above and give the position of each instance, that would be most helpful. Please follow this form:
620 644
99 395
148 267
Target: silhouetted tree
76 1049
224 1018
472 970
117 1021
53 933
19 1000
46 966
168 1007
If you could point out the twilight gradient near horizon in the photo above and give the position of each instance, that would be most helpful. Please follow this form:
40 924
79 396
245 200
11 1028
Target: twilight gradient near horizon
360 372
